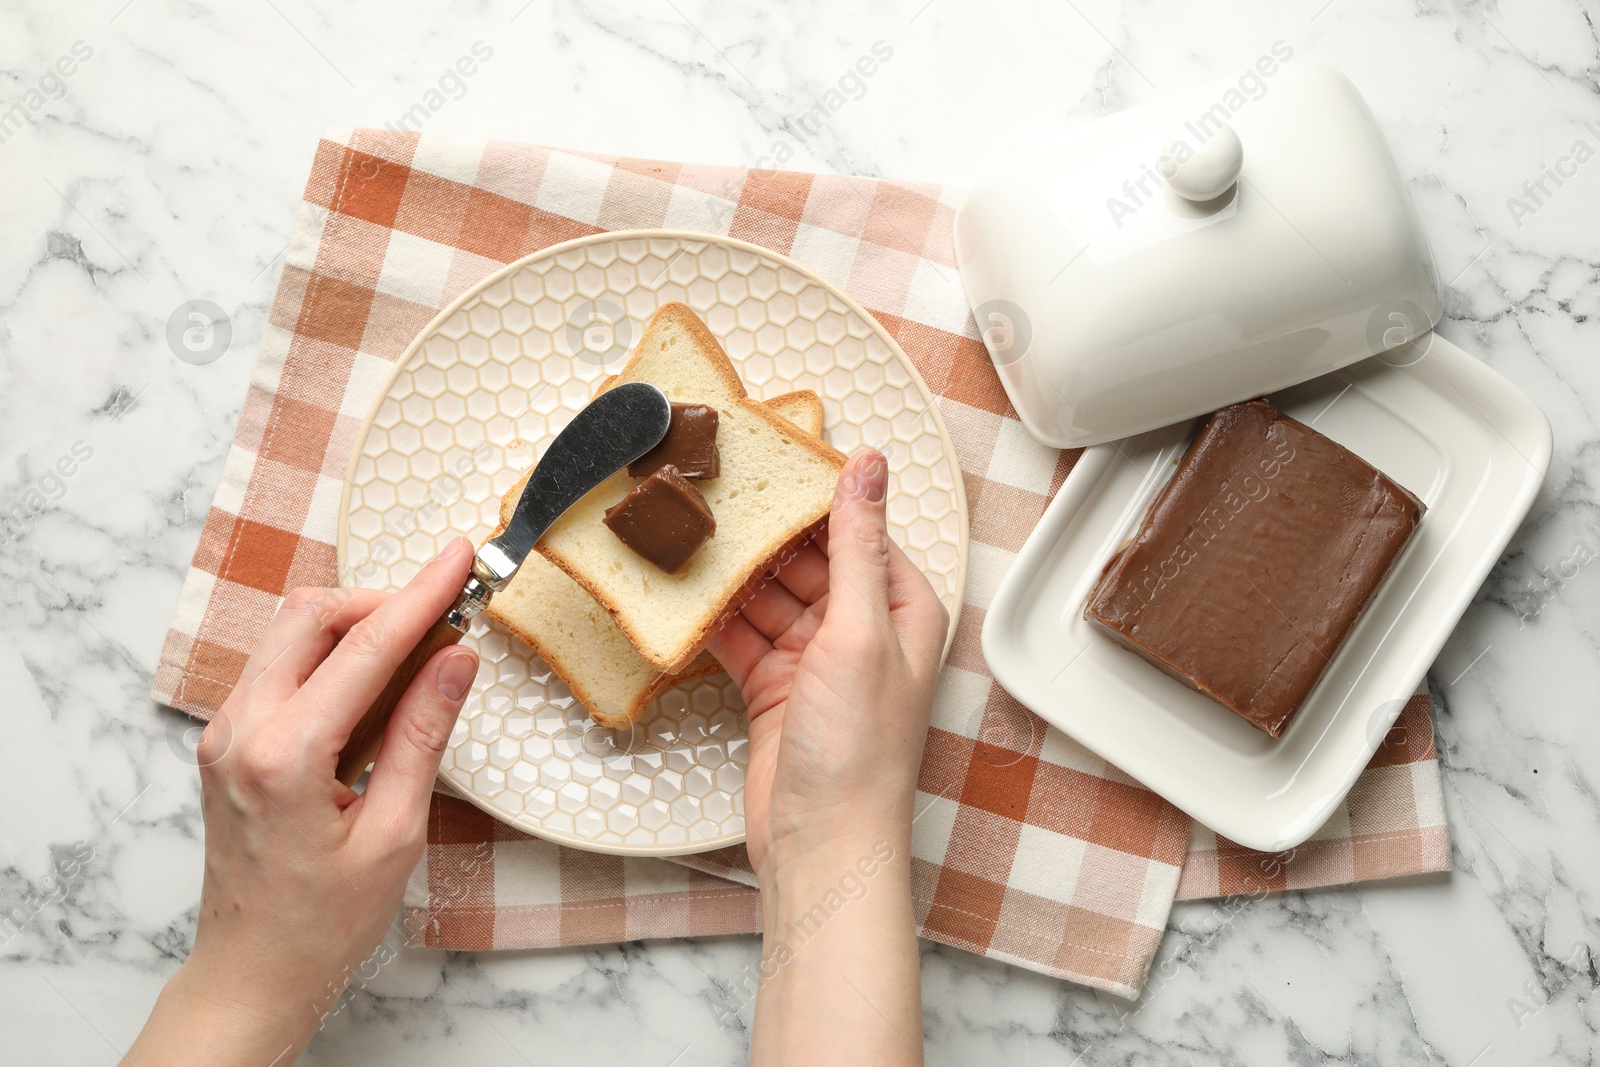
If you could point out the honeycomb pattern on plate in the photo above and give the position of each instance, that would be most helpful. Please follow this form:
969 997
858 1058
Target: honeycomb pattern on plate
480 396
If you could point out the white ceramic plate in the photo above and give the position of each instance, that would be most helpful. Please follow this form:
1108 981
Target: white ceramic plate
1448 428
481 393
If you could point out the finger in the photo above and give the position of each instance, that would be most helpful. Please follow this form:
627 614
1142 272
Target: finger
738 646
772 609
908 586
408 759
355 672
918 612
308 624
858 540
806 575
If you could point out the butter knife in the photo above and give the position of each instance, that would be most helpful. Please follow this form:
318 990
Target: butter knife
617 428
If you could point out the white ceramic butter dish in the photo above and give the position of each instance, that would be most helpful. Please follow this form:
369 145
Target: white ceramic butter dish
1149 268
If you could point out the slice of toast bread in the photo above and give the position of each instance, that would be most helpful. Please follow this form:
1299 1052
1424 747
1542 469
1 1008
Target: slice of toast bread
556 617
776 482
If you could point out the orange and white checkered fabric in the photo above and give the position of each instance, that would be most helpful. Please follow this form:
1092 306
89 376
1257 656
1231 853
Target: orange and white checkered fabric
1027 847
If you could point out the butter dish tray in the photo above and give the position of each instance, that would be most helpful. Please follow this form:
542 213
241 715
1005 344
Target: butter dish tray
1450 429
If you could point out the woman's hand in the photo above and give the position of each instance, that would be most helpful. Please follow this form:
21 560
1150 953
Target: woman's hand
303 876
837 660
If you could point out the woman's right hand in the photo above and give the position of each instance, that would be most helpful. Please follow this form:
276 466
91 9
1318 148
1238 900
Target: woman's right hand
837 660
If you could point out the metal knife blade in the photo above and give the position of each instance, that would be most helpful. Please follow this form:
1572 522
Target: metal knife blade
621 425
616 428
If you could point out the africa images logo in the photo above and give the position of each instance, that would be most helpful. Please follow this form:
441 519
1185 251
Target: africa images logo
599 332
1005 330
199 332
1399 332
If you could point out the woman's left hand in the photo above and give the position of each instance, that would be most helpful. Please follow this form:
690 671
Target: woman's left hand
303 875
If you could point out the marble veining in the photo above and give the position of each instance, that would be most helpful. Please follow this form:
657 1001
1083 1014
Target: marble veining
167 167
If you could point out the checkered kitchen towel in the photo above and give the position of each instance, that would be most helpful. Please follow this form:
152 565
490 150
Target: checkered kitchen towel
1028 848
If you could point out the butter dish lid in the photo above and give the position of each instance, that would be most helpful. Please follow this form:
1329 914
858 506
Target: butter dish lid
1186 254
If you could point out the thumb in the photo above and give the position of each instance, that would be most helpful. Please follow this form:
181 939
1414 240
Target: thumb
414 742
858 538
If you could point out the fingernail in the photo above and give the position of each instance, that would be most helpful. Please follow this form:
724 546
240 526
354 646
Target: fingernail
872 477
454 549
456 674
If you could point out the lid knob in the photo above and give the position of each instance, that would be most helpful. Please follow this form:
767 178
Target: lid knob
1203 171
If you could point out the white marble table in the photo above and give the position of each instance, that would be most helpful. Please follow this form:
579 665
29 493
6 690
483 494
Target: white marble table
166 167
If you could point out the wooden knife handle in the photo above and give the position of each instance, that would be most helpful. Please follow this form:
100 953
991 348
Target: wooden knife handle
368 734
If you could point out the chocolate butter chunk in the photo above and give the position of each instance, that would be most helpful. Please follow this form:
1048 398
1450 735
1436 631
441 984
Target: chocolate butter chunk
664 519
690 445
1254 563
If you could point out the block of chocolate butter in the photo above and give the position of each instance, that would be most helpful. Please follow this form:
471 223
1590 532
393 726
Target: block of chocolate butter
664 519
690 445
1254 563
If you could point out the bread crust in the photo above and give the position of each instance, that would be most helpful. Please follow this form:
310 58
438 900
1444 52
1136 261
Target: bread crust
792 399
700 667
797 398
